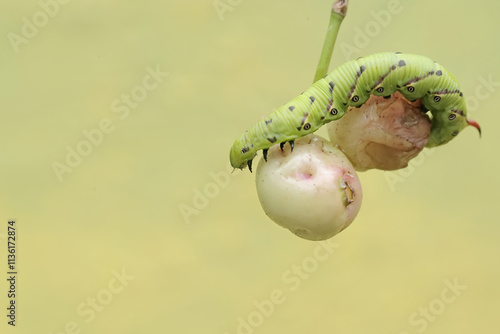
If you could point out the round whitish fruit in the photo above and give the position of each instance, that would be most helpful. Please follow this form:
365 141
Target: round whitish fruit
313 191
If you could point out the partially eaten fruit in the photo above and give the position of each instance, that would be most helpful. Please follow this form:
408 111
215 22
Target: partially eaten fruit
383 133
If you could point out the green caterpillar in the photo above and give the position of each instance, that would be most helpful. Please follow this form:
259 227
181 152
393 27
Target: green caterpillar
351 84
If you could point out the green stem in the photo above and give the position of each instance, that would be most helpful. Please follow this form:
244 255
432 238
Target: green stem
339 10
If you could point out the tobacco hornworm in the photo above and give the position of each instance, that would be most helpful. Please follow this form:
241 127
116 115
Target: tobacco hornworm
351 84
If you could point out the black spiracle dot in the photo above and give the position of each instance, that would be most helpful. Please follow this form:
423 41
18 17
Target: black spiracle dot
244 150
380 90
334 111
292 108
454 133
437 98
355 98
307 126
411 89
452 117
439 73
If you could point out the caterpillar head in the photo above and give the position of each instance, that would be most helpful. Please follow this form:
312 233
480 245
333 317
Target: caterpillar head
240 154
446 125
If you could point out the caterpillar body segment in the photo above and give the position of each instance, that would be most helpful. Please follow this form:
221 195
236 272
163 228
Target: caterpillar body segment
350 85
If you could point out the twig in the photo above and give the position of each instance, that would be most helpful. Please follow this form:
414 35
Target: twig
339 11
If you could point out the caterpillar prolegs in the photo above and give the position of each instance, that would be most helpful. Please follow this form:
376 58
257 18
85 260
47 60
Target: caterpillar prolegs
351 84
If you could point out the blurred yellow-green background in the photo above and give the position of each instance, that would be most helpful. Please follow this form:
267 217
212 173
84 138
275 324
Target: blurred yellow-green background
152 94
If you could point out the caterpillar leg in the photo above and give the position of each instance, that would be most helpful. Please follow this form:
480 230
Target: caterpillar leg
282 144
